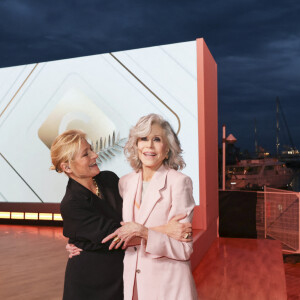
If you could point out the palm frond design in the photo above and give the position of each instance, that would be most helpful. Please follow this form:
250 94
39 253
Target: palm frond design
107 148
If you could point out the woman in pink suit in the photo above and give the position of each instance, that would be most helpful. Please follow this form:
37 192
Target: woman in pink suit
158 268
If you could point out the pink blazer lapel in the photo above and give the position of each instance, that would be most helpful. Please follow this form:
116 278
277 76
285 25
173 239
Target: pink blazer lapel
138 194
152 194
134 192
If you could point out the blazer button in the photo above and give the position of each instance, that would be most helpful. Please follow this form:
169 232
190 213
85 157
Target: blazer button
138 271
134 248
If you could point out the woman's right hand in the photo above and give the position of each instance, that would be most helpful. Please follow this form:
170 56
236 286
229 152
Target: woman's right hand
73 250
177 230
126 233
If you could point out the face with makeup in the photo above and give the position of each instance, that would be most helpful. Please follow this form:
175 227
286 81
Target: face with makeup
153 149
83 166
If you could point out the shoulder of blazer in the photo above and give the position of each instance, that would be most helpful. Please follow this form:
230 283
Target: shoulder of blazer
127 178
174 176
108 178
75 193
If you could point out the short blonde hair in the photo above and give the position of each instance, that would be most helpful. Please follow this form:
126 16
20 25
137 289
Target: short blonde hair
65 147
143 129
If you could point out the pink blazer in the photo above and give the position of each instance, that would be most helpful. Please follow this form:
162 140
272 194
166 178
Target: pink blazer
161 267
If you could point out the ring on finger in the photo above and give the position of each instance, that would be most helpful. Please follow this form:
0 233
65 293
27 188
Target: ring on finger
116 239
186 236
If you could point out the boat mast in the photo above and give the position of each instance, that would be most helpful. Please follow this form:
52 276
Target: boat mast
286 126
255 138
277 127
278 107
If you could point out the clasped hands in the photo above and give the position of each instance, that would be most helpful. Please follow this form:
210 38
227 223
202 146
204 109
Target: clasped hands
131 234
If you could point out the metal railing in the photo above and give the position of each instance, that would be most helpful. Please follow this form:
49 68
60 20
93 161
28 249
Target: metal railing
277 217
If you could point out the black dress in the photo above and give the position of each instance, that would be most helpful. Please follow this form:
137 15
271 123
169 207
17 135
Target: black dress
96 273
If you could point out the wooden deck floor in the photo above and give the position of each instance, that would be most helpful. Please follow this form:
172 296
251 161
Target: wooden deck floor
247 269
33 262
292 273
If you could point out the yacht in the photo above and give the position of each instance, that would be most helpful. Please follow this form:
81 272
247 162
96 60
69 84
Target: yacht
257 173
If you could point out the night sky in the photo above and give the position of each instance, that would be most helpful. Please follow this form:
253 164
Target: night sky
256 45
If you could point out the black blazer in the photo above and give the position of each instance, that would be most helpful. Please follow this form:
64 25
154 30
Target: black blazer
97 272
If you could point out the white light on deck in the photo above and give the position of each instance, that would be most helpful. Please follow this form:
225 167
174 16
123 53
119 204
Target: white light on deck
17 215
4 215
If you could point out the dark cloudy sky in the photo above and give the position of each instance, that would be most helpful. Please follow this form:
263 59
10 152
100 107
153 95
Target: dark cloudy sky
256 44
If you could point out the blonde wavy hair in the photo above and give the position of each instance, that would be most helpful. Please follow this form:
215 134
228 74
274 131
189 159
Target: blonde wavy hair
65 147
143 129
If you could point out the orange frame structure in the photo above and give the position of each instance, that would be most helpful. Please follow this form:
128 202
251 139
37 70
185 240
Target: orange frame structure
206 214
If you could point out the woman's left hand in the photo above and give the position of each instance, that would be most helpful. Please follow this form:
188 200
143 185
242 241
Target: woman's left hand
125 234
179 231
73 250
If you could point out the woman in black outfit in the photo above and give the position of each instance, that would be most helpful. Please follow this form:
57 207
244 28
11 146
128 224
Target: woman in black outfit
91 210
96 273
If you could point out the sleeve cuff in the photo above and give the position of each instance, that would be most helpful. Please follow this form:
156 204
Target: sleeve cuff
155 242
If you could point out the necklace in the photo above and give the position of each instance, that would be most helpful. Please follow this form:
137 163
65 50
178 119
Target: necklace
97 188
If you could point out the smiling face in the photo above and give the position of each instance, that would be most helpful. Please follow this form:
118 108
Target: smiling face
84 165
153 149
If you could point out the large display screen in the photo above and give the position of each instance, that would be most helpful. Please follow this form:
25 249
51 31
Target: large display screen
103 95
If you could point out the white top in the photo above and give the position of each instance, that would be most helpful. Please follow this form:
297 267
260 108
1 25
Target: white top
144 188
